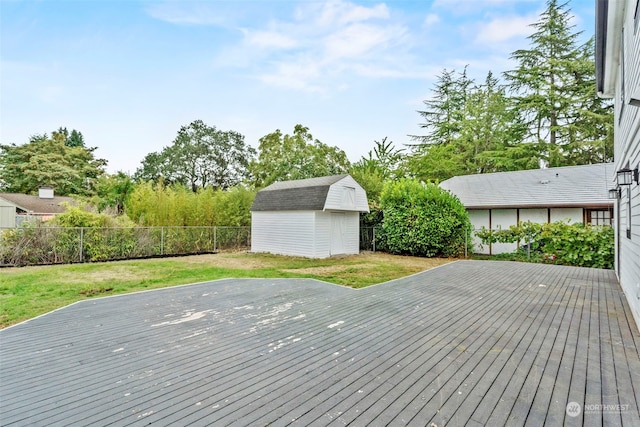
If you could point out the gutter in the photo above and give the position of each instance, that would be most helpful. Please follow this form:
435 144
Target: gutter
609 21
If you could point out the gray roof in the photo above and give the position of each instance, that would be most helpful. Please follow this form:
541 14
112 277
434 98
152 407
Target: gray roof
569 186
37 205
296 195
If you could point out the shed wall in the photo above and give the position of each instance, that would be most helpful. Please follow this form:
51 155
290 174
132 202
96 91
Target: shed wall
350 236
337 199
302 233
284 232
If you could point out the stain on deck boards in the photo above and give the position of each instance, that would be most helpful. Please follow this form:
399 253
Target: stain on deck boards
469 343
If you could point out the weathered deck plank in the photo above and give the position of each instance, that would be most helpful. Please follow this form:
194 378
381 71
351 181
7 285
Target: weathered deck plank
470 343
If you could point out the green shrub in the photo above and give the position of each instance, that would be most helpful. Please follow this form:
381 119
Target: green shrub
422 220
560 243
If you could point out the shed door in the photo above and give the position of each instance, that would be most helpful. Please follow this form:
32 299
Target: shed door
338 233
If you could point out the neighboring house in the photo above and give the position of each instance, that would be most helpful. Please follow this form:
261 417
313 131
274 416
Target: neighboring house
618 77
314 218
578 194
15 208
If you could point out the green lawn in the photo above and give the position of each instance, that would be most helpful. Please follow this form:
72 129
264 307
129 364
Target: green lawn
30 291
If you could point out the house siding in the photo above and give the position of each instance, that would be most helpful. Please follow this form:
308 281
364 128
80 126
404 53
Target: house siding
7 216
627 153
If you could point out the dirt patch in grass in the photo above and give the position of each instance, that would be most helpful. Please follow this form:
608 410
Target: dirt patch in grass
109 272
95 291
330 269
363 261
232 260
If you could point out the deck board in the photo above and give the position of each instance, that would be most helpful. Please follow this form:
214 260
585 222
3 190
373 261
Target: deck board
468 343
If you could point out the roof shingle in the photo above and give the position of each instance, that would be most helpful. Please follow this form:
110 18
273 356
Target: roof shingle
300 194
37 205
585 185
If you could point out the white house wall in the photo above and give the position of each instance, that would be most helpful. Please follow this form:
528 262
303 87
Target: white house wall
336 199
573 215
503 219
496 219
538 216
479 218
7 216
627 153
284 232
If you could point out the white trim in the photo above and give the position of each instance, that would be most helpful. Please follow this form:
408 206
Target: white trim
613 38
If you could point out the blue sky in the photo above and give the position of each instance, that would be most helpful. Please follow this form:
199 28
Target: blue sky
128 74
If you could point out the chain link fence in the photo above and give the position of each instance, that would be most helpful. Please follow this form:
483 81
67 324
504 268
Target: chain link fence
36 245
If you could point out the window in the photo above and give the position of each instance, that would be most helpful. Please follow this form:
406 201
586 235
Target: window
599 216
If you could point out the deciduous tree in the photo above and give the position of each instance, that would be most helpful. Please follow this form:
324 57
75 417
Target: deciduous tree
199 157
51 162
298 156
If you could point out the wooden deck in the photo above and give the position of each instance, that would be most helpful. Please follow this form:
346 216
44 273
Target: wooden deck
467 344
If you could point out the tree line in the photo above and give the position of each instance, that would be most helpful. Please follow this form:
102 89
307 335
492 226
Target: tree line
542 113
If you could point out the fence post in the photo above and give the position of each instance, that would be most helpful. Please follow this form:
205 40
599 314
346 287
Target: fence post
81 244
528 246
215 236
466 241
162 241
373 239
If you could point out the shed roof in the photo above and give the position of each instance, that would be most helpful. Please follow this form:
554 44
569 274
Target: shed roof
300 194
37 205
569 186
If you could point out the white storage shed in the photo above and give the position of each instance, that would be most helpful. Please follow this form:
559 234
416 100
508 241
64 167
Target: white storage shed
314 218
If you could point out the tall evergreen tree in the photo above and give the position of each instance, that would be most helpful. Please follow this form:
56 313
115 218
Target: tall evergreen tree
553 88
469 130
445 109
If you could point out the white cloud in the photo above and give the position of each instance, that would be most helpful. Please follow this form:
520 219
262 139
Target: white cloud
505 28
269 39
358 40
192 13
338 12
431 19
467 6
322 46
300 75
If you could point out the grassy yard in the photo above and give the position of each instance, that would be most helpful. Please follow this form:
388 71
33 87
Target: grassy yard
26 292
